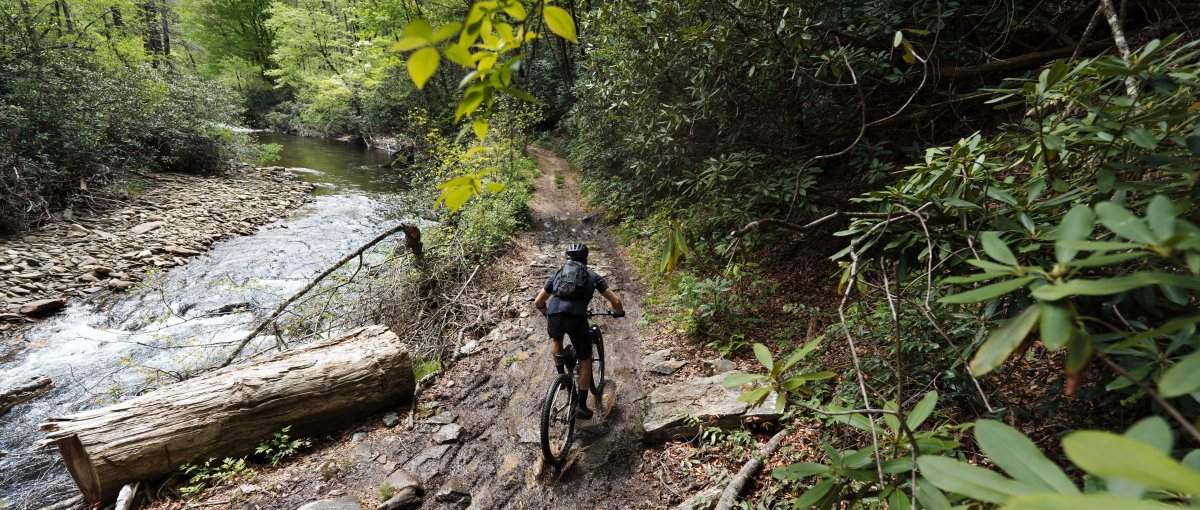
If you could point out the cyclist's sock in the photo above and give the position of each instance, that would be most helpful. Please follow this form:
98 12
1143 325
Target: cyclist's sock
583 394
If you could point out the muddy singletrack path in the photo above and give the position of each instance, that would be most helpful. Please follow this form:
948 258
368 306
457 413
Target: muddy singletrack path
472 437
499 395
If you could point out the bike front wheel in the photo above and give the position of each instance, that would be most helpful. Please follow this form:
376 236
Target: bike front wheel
597 363
558 420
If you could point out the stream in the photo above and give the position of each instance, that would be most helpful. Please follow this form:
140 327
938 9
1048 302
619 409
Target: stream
94 352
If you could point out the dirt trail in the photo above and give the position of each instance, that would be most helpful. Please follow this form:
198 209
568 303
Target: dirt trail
494 394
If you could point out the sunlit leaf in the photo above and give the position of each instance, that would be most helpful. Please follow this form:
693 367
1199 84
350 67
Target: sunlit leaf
422 64
1183 378
559 21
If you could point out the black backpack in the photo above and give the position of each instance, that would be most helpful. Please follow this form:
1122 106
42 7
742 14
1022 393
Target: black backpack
572 282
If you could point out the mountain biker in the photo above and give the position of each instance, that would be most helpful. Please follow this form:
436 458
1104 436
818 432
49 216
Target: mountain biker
567 314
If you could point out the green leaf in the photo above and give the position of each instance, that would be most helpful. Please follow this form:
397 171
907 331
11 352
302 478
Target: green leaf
559 21
1081 502
480 127
930 497
990 266
800 353
796 381
1109 286
855 420
755 396
972 481
1111 456
979 277
459 55
735 380
469 103
987 291
764 356
408 43
812 496
1183 378
1193 143
1076 226
922 410
446 32
1098 245
1057 324
1153 431
419 28
493 187
1141 137
799 471
1161 216
1004 341
996 249
1079 351
1020 458
1124 223
422 64
516 10
520 94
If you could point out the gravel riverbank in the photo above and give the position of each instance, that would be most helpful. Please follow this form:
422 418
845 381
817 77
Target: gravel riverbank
172 218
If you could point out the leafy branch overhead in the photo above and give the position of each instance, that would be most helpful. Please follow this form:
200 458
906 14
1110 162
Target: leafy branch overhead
490 44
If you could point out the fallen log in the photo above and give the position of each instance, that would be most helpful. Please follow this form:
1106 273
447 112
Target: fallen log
23 392
315 389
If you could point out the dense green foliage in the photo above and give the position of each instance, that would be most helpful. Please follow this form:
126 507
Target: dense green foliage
82 98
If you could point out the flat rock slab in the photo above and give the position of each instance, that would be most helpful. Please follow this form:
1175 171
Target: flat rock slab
671 405
346 503
448 434
44 306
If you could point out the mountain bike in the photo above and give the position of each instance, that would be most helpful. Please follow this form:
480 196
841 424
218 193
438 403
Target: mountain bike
558 406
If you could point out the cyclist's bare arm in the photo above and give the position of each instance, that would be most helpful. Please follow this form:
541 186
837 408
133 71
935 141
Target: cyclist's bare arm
539 302
614 300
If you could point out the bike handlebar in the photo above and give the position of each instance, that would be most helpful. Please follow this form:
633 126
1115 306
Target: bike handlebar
609 313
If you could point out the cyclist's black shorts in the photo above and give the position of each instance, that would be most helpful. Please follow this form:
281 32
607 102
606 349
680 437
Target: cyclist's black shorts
575 327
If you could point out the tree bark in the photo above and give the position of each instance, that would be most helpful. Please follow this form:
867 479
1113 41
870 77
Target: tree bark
749 471
315 389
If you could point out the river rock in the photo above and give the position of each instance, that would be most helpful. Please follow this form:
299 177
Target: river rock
176 250
671 405
44 307
143 228
391 419
333 504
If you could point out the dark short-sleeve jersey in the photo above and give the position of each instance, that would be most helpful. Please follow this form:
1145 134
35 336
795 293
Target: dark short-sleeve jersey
573 307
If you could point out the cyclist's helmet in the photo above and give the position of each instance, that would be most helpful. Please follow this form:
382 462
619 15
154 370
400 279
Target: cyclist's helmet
577 252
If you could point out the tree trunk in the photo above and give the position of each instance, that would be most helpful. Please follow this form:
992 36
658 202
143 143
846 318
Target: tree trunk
315 389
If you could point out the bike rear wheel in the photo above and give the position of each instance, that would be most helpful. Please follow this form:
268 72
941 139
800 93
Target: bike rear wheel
558 420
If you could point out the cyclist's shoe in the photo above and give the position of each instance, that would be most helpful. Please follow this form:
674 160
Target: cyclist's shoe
583 413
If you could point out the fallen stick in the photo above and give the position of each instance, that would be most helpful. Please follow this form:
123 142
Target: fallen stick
24 392
283 306
749 470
